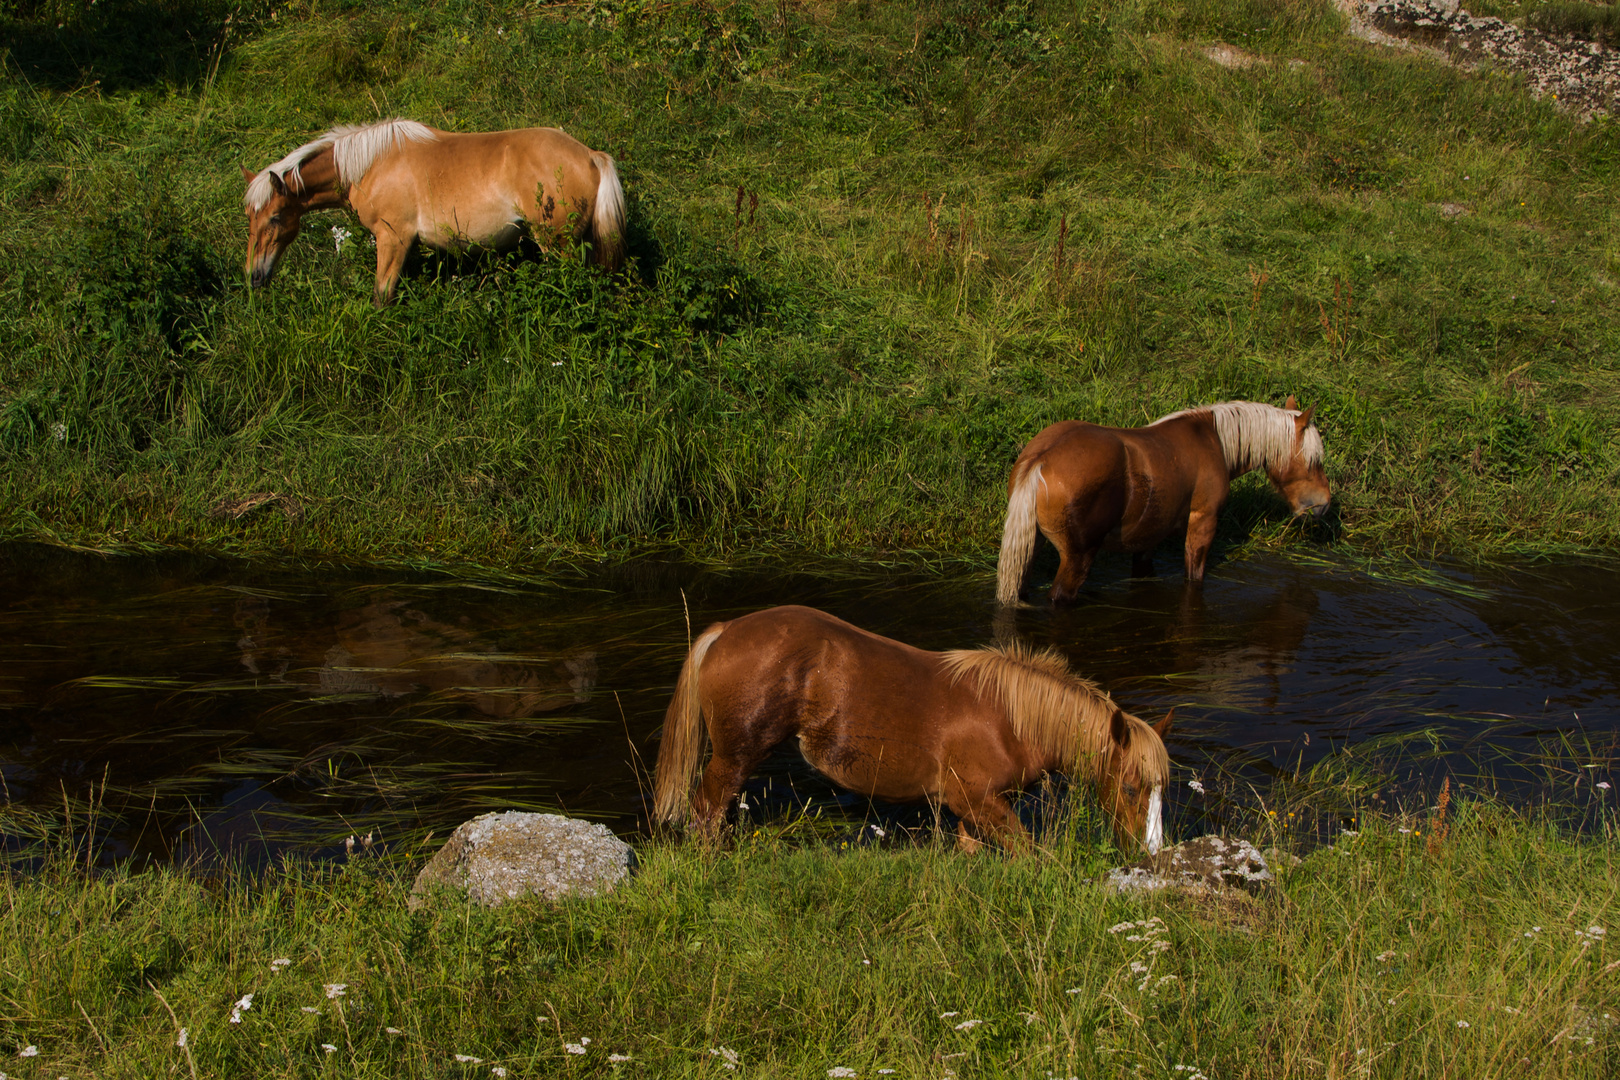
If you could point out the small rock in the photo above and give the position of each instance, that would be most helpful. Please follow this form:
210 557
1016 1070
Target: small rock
1209 862
499 857
1230 56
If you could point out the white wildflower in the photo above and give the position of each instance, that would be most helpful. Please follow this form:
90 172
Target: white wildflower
59 432
1074 990
947 1016
618 1058
185 1037
279 963
729 1055
573 1048
1119 928
1510 1009
329 1048
312 1010
334 990
1386 957
468 1059
1139 968
497 1071
1602 785
968 1025
393 1031
340 236
1462 1023
1595 931
841 1070
1196 786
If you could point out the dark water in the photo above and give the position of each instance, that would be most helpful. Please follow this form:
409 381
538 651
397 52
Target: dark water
204 705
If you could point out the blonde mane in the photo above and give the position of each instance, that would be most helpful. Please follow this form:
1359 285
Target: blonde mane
1255 435
1054 711
355 147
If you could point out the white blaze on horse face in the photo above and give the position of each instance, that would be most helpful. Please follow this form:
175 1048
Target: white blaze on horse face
1154 840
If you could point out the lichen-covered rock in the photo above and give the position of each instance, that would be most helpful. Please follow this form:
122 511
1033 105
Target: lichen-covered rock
1209 862
1582 76
499 857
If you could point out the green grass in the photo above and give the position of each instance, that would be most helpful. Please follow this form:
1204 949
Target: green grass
1384 955
852 373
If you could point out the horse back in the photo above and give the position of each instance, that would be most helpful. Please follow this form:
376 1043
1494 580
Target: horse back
1132 485
460 179
874 714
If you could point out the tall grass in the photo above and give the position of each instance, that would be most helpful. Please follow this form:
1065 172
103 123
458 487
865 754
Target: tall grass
848 363
1387 953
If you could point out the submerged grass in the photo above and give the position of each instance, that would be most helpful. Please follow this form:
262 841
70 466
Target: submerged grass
875 251
1385 954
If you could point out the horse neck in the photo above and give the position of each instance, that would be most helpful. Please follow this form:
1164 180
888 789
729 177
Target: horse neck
320 189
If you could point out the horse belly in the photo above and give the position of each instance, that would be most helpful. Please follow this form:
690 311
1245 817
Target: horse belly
871 771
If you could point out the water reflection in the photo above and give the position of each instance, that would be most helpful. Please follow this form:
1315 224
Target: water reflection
389 648
225 705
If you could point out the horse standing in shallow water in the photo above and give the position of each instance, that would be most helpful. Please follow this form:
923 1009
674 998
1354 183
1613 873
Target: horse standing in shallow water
408 182
888 721
1089 488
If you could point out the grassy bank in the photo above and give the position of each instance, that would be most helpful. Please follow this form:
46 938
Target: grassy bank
968 224
1390 953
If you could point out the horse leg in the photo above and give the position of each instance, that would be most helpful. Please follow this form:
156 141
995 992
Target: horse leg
1073 567
991 817
391 252
1088 520
1200 538
722 779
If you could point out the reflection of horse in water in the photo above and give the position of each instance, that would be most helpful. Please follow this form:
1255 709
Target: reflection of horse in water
1239 663
389 649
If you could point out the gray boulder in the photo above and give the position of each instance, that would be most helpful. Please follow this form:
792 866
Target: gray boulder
1207 863
499 857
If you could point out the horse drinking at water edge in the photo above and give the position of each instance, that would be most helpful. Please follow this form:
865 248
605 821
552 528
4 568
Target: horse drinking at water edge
878 717
407 182
1088 488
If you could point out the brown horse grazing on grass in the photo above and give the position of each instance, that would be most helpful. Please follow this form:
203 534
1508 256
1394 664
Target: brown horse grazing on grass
408 182
1089 488
888 721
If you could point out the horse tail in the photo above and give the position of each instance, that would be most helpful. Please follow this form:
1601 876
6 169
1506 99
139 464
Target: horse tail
607 228
1018 536
681 752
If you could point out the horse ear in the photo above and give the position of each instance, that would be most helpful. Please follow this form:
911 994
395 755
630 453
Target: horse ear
1162 728
1119 729
276 182
1303 420
1290 403
247 174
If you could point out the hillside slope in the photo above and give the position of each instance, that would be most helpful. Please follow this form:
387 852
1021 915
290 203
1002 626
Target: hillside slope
874 253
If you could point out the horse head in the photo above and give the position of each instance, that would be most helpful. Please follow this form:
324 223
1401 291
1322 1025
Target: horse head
1132 786
1301 479
273 223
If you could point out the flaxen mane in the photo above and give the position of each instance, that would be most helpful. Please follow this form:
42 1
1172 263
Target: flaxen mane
1254 435
1052 709
354 149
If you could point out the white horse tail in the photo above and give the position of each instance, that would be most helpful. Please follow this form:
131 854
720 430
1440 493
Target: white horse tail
685 735
1018 537
607 229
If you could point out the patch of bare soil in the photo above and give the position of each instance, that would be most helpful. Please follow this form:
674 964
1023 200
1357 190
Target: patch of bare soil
1583 76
